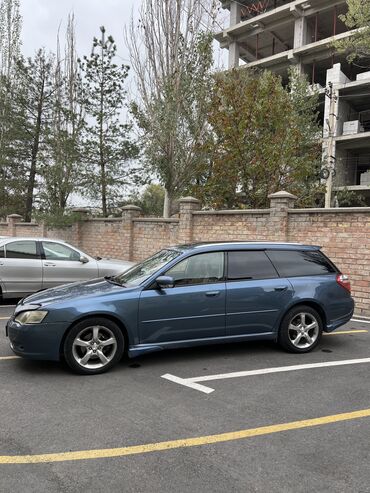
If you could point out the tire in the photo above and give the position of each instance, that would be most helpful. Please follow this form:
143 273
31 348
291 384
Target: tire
300 329
93 346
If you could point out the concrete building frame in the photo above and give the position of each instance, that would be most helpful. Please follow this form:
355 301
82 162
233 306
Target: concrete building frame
278 34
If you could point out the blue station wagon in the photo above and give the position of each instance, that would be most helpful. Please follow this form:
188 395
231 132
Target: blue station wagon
187 295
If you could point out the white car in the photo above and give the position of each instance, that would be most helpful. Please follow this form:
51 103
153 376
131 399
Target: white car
30 264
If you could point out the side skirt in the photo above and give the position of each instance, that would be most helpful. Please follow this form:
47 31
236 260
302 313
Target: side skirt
139 349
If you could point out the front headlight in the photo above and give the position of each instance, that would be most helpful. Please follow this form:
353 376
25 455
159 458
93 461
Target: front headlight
31 317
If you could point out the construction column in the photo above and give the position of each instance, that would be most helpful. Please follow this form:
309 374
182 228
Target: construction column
235 16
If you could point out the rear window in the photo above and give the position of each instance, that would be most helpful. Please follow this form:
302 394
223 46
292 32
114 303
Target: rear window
294 263
250 265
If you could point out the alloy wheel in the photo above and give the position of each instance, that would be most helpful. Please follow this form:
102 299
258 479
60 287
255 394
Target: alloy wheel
303 330
94 347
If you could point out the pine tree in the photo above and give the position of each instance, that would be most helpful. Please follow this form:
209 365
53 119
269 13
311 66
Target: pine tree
33 100
107 146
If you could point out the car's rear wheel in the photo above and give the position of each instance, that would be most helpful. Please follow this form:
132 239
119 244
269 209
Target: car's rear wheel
301 329
93 346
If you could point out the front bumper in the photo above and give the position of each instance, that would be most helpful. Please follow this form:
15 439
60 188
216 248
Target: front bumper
36 341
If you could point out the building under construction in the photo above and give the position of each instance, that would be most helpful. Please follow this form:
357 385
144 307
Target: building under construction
278 34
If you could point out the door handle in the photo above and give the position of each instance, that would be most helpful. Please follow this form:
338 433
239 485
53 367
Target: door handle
1 263
281 288
49 264
212 293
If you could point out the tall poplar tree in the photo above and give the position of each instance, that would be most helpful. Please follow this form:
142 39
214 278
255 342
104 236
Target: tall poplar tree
62 168
11 177
171 55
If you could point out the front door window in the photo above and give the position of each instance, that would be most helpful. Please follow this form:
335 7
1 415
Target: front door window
205 268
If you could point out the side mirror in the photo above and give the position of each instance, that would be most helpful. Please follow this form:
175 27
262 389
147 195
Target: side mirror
84 259
165 282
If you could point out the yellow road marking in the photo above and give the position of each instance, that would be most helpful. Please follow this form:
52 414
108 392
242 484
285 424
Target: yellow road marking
4 318
182 443
340 332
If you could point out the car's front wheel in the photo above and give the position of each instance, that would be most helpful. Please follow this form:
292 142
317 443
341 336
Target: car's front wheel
93 346
300 329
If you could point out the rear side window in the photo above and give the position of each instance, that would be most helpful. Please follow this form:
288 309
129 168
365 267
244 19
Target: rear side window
22 249
1 252
294 263
250 265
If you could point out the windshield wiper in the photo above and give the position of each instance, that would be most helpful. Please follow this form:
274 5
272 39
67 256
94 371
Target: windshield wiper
113 280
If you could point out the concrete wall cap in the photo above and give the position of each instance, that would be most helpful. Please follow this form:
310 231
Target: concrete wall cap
14 216
131 207
282 195
81 210
192 200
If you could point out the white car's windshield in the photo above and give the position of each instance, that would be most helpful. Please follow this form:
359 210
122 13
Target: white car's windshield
140 272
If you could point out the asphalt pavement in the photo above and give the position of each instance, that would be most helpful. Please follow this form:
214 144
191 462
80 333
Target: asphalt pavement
131 430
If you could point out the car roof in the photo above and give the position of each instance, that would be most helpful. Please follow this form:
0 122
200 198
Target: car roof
244 245
5 239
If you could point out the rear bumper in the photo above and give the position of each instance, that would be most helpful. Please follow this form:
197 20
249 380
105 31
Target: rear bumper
37 341
334 324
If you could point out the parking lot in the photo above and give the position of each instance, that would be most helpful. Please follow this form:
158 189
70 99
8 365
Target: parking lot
201 419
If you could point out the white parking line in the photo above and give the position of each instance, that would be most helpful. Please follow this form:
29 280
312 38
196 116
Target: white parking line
359 320
8 357
193 382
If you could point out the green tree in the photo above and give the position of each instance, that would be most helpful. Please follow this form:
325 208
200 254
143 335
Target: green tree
13 151
263 138
151 200
33 100
357 47
107 146
171 55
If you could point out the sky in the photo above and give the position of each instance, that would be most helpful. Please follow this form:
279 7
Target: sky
42 18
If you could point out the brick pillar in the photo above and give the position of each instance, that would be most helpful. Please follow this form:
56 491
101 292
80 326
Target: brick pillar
187 206
77 227
129 212
12 219
280 203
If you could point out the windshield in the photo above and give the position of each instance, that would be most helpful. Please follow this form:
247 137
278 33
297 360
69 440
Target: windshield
141 272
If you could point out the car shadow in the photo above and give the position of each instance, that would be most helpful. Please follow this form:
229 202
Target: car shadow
206 354
216 351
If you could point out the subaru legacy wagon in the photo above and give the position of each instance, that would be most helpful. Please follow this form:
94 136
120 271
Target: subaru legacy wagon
183 296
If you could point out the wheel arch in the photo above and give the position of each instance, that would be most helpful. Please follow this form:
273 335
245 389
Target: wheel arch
110 317
312 304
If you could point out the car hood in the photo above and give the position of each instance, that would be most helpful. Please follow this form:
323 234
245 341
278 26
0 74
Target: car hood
93 287
112 266
114 262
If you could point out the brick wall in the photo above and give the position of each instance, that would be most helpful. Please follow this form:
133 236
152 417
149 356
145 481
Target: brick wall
344 233
150 235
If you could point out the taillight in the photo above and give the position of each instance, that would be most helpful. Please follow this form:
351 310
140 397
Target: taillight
344 281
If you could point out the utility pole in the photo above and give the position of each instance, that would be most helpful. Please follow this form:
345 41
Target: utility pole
332 125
